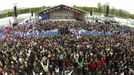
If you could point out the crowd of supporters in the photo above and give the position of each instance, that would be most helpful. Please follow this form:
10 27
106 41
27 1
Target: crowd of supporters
68 54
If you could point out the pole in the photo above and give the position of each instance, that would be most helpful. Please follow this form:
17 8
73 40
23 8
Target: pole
15 14
107 10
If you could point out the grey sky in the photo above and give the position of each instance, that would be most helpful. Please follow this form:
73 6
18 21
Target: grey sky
120 4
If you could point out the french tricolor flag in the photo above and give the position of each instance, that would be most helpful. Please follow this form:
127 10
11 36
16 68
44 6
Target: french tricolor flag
10 27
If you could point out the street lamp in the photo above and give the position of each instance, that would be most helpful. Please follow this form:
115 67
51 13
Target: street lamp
107 9
15 9
15 14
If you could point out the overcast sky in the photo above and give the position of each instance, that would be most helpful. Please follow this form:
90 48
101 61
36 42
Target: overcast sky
120 4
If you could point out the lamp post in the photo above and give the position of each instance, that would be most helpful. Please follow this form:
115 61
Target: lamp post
107 9
15 9
15 14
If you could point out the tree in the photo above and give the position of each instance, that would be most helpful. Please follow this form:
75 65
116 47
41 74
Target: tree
112 11
99 7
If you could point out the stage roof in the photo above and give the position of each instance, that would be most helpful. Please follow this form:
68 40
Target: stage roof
62 7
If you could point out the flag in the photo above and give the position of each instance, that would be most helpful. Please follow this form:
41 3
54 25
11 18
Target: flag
9 28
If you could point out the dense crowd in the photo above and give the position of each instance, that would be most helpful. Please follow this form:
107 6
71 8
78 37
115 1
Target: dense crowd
68 54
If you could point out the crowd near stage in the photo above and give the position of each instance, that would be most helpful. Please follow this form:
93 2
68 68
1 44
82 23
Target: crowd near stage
62 43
